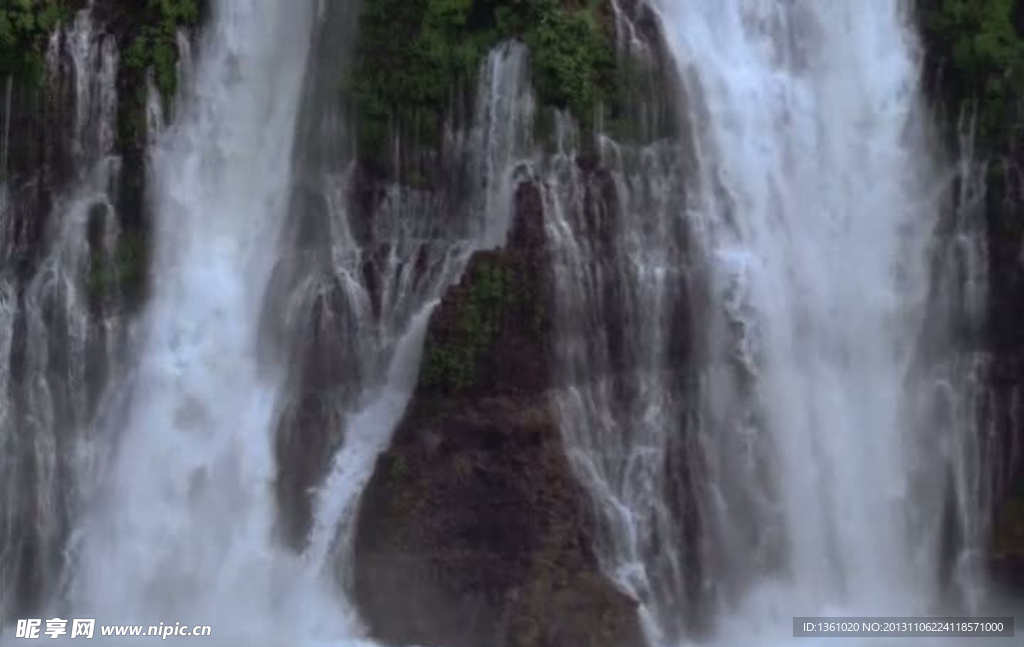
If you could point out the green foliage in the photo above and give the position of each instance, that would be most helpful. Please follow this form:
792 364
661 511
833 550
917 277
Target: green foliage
452 364
419 59
983 56
149 43
155 44
572 60
26 24
121 272
412 57
24 28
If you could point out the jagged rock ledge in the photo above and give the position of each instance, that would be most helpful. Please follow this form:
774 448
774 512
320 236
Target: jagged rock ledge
473 531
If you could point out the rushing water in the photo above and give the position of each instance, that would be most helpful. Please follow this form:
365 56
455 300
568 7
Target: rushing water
819 196
815 188
818 483
755 377
58 334
177 514
178 525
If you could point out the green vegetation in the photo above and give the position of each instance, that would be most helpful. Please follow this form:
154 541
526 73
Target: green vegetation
148 39
418 60
572 60
121 272
154 45
451 364
24 28
151 44
26 24
982 58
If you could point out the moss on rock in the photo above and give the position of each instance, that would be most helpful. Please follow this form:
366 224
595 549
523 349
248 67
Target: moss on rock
492 328
122 272
473 531
452 357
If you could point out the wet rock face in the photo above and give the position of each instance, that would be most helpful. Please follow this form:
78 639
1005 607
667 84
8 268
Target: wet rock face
1004 340
1007 558
473 531
472 534
1001 418
38 162
308 325
954 83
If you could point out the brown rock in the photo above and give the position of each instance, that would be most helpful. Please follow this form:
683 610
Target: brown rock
473 531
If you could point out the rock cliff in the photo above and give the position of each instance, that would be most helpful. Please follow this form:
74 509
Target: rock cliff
473 531
974 74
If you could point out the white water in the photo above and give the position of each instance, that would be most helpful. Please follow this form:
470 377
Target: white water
44 406
817 197
620 271
798 476
498 141
812 225
179 529
179 523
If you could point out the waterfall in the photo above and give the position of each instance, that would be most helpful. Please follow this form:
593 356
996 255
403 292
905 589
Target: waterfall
751 335
760 369
819 199
621 279
955 406
815 186
179 520
416 249
57 334
5 138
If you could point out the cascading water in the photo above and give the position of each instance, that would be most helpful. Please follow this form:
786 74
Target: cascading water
416 248
179 524
737 329
59 323
621 280
801 242
179 521
816 194
953 406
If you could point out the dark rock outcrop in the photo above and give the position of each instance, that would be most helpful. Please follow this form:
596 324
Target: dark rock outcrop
473 531
982 86
1007 558
53 126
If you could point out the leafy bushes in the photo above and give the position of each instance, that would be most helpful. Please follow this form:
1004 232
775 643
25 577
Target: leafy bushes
154 44
147 35
982 58
572 59
418 59
150 35
24 28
